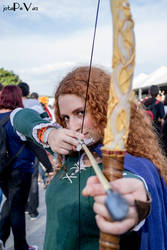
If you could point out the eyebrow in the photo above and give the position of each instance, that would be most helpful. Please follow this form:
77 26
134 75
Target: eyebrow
74 111
77 110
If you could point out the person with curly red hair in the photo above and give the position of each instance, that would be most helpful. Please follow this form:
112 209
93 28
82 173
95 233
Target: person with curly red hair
71 221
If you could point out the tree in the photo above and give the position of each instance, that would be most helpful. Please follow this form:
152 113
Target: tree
8 77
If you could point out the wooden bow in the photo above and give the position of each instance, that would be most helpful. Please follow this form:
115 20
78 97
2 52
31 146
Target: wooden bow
120 95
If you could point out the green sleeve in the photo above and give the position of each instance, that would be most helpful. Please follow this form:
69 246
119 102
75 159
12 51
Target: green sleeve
25 120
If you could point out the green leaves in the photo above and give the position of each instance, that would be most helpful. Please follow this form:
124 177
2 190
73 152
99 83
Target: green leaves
8 77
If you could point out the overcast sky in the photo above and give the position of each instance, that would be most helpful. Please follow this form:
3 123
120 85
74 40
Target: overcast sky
52 37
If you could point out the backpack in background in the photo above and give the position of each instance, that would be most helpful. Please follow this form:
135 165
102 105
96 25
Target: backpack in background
151 110
5 160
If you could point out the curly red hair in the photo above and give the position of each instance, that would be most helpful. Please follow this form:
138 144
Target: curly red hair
142 140
76 83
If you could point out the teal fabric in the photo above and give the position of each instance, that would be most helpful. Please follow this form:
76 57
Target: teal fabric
62 228
128 174
25 120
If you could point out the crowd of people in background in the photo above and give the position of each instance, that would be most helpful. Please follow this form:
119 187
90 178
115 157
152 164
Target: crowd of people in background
20 187
48 152
156 108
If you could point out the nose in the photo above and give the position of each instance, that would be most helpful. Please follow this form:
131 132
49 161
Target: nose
75 124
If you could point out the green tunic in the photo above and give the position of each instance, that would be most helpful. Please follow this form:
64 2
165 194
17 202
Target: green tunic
62 200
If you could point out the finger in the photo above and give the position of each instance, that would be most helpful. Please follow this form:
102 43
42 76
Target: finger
62 151
102 210
70 140
66 146
126 185
87 189
115 228
132 189
93 190
58 147
130 199
100 199
135 196
74 134
92 180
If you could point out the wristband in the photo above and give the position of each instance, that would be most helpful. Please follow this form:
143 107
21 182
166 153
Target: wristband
143 207
46 134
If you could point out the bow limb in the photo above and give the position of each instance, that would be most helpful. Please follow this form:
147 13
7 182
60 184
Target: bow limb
120 95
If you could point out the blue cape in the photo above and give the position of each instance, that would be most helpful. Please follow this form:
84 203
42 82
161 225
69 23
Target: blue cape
154 230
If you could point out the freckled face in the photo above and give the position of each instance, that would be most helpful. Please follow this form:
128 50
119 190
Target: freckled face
71 111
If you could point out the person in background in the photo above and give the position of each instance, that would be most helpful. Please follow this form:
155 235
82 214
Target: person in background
31 102
164 128
145 168
33 199
159 97
16 186
34 95
157 108
44 101
165 105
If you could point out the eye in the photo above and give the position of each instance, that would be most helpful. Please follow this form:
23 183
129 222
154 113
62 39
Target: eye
65 118
80 113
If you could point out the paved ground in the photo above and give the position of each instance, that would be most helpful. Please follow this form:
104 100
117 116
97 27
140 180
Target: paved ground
35 229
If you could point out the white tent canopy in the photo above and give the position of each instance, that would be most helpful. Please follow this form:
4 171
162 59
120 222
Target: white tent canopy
158 77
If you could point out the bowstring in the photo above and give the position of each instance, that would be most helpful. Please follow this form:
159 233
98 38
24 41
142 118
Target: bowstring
90 63
85 102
